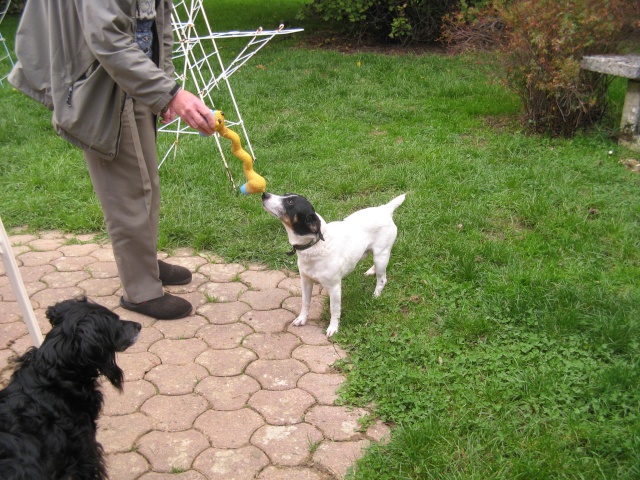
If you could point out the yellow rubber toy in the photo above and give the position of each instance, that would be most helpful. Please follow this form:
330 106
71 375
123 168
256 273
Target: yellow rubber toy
255 183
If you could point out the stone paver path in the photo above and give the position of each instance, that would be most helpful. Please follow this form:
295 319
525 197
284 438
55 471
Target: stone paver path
231 392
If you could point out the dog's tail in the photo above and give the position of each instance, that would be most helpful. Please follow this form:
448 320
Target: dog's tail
396 202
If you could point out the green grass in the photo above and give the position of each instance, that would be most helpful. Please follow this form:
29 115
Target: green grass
507 342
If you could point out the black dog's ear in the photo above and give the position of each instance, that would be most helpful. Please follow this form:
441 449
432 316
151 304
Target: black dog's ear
313 222
56 313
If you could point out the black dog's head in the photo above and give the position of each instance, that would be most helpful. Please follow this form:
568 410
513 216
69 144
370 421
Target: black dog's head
84 340
295 212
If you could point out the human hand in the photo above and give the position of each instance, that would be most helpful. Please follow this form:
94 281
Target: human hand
192 110
167 115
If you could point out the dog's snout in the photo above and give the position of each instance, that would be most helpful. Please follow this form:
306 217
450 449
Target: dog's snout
265 196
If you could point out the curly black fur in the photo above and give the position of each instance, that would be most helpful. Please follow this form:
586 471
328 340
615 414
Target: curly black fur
48 412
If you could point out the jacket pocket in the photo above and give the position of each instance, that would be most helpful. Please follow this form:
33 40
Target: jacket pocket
89 115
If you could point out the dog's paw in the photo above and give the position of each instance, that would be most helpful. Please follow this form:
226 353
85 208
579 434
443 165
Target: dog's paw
371 271
333 328
299 322
331 331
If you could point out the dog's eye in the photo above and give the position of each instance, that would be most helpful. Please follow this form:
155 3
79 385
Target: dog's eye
289 201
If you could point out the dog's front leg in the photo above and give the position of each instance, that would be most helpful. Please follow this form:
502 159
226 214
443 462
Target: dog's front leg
306 285
335 305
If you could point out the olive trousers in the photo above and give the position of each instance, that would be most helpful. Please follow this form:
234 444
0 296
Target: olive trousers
128 188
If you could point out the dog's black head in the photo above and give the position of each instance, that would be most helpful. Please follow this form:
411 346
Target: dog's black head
295 212
84 340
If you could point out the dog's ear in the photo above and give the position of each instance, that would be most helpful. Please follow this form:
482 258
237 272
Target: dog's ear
96 337
313 223
58 312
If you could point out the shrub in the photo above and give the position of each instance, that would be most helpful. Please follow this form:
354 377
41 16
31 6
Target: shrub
547 40
543 42
391 21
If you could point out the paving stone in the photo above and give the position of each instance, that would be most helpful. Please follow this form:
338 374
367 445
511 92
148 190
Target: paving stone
197 280
174 413
46 245
10 332
10 312
51 296
226 363
277 374
336 422
176 379
310 333
319 358
104 254
31 259
64 279
223 292
21 238
191 262
264 299
84 238
52 234
136 365
211 257
224 336
100 269
268 321
119 433
82 250
126 466
73 264
316 308
179 351
272 346
21 344
292 285
262 280
236 464
171 451
148 335
35 273
290 473
221 272
129 401
188 475
181 329
7 294
99 287
289 445
379 432
17 251
229 429
228 393
339 457
282 407
183 252
322 386
223 313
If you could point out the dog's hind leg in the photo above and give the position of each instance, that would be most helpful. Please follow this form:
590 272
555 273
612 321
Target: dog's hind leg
306 285
380 262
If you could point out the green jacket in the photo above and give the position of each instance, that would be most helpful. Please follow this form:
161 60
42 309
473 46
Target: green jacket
79 58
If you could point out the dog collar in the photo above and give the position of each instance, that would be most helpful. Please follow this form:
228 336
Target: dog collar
299 248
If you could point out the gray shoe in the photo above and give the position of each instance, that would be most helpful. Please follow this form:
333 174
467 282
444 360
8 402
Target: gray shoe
167 307
173 274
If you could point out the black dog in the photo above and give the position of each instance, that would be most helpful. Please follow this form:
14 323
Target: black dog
48 412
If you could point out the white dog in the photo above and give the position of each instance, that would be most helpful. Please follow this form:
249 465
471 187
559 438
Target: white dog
327 252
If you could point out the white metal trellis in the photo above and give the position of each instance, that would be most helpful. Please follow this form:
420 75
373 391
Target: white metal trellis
204 70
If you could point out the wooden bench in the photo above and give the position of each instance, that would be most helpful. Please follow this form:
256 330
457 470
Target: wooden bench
626 66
